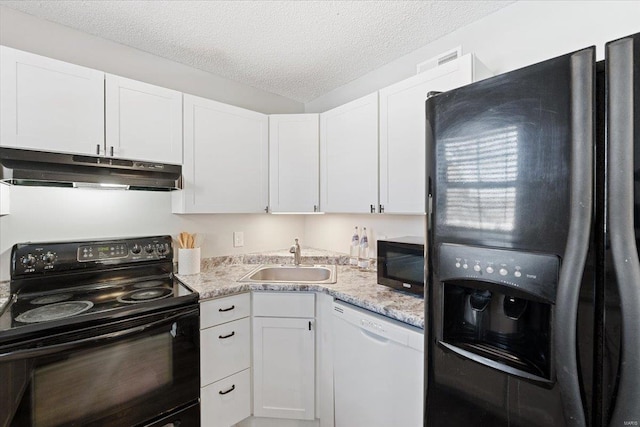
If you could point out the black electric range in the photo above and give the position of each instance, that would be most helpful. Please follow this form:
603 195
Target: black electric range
99 333
57 285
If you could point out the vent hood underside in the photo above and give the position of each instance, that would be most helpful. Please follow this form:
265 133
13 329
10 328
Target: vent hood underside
29 167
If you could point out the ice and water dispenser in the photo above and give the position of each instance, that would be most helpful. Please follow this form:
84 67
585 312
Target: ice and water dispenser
497 308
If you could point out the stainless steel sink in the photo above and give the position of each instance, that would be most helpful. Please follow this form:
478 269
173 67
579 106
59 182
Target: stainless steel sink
292 274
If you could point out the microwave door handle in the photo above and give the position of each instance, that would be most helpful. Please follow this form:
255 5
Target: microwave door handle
56 348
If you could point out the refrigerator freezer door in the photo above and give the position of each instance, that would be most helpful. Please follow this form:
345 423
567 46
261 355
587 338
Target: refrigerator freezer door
623 102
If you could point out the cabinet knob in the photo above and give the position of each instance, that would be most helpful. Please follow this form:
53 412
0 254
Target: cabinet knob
266 209
315 208
381 208
98 149
111 151
372 208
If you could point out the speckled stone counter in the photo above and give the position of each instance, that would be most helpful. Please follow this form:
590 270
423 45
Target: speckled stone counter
5 294
219 279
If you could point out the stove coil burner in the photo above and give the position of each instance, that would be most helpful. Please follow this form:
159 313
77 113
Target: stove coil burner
50 299
54 311
145 295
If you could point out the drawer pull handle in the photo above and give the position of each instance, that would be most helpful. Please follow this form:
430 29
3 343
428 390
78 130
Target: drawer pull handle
227 336
233 387
222 310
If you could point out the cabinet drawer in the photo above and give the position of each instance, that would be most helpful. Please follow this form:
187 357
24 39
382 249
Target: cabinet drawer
284 304
224 350
226 402
224 310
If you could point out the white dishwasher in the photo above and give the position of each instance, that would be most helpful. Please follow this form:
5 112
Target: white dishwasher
378 370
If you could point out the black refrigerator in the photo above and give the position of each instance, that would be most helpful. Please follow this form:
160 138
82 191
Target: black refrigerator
532 303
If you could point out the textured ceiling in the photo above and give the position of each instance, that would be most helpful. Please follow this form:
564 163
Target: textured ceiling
297 49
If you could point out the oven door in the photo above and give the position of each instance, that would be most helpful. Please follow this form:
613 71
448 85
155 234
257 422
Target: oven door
127 372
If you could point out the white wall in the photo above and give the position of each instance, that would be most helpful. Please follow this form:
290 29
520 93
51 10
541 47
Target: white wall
53 214
521 34
32 34
333 232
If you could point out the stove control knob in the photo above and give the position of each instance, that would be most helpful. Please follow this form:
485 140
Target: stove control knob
48 258
28 260
136 249
148 249
161 249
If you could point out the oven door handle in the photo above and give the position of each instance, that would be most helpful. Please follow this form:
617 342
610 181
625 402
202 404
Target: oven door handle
55 348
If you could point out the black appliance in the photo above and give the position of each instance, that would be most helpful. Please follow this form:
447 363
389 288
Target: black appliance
401 263
31 167
99 333
533 299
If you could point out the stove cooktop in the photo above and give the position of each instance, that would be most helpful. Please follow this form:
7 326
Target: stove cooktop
67 306
64 285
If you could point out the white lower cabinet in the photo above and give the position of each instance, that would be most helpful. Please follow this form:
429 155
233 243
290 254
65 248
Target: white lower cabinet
296 362
284 356
226 402
225 349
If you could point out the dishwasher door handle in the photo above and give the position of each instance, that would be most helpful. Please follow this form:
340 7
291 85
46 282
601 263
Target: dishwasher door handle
374 336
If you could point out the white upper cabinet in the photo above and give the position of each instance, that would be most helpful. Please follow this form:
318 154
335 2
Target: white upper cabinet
143 121
402 132
225 166
349 157
294 163
46 104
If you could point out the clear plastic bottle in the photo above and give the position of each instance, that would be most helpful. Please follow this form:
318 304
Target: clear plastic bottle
363 254
353 251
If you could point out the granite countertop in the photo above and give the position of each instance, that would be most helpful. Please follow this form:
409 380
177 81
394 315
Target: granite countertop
5 294
219 276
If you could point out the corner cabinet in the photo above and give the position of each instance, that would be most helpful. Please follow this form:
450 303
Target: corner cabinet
294 163
142 121
225 168
284 355
349 157
50 105
402 132
225 374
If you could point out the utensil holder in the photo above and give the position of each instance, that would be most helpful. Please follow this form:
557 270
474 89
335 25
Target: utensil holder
189 261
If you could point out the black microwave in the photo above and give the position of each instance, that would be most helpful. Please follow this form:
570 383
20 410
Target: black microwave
401 263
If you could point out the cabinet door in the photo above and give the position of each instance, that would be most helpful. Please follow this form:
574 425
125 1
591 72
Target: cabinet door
225 159
402 134
349 157
50 105
284 368
143 121
293 163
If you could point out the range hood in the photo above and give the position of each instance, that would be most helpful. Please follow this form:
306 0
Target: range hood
30 167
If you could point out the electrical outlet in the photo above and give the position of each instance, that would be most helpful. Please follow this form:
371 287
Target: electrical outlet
238 239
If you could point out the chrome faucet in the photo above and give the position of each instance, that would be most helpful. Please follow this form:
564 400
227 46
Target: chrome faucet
295 250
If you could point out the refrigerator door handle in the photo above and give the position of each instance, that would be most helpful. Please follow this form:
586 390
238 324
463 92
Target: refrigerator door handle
582 125
620 105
